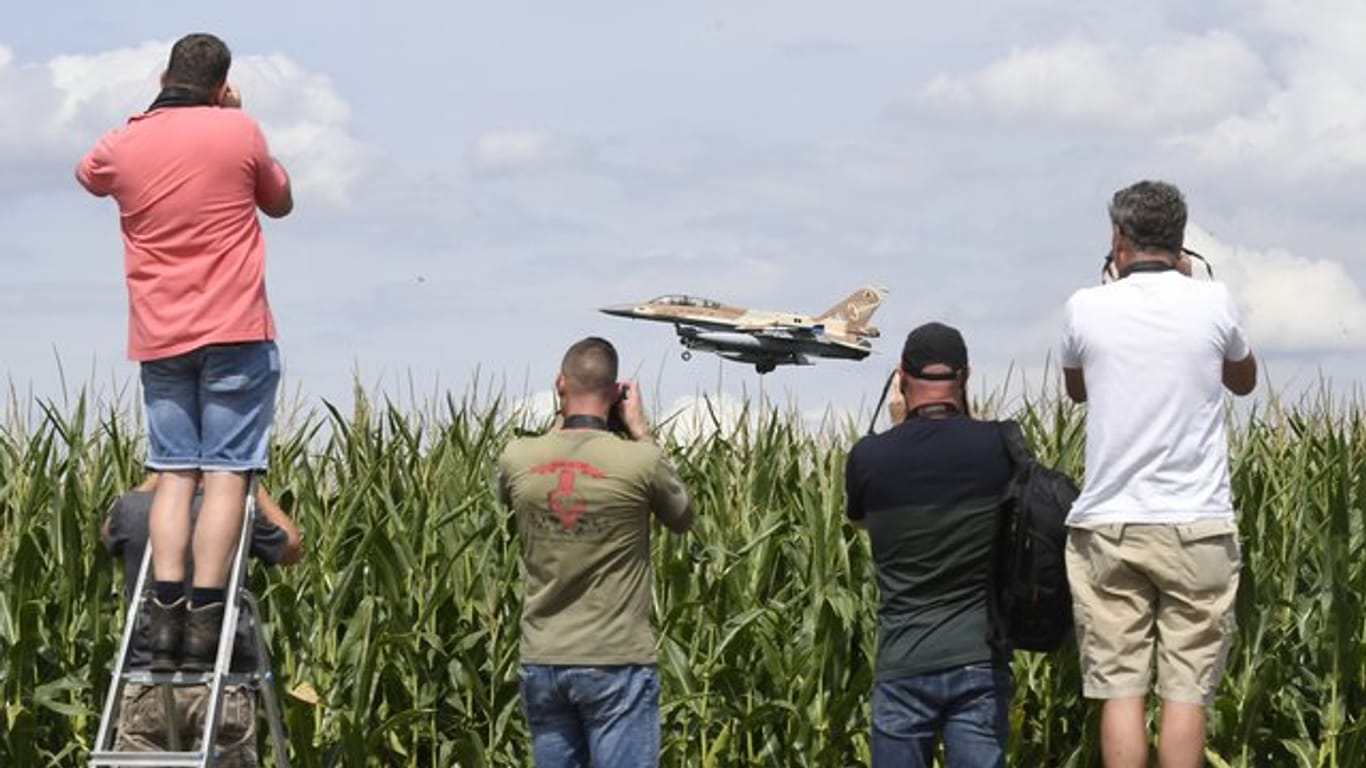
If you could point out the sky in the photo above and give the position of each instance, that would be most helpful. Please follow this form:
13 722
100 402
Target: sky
472 180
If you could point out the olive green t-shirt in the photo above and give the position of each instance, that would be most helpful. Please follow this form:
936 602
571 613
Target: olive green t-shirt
583 500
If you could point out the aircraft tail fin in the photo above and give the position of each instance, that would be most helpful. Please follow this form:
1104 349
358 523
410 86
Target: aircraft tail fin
857 309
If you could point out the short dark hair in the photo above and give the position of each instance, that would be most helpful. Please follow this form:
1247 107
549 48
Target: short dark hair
1151 215
590 365
199 61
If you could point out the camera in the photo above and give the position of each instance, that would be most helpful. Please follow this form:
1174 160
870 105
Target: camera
616 421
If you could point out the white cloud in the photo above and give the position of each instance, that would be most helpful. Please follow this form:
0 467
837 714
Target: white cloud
521 151
55 110
306 122
1314 120
1193 78
1289 303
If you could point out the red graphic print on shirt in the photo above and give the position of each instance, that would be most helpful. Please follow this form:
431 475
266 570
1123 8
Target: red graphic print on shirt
562 498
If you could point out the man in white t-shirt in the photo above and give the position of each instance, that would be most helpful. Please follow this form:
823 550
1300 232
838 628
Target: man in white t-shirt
1152 555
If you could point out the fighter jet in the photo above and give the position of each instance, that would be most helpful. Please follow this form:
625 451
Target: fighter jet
762 338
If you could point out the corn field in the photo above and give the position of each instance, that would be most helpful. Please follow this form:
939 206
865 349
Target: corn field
395 640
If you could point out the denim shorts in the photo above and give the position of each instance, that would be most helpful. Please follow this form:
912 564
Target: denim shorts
211 408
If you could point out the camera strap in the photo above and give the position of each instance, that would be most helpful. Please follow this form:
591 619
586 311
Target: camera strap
1152 265
933 411
181 96
1106 269
585 421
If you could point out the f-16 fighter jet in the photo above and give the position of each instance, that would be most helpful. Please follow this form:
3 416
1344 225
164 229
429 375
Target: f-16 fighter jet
762 338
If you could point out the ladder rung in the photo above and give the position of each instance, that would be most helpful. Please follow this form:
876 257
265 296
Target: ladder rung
191 759
147 677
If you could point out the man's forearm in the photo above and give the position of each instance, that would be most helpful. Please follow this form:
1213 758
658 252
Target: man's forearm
1240 377
1075 384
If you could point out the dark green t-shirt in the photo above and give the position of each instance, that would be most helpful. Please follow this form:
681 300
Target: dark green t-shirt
583 500
928 492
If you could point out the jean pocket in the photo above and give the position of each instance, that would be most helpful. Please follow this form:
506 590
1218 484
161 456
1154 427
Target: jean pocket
539 700
241 368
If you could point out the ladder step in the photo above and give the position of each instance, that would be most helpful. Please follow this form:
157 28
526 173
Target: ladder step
147 677
114 759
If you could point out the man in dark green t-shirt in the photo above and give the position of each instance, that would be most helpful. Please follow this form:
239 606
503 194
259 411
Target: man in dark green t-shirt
583 497
928 491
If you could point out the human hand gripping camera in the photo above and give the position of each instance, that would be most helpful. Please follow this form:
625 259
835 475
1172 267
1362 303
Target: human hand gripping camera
627 416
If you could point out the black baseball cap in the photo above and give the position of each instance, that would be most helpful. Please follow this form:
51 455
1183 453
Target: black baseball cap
934 344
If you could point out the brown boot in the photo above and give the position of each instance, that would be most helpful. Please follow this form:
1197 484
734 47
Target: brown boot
201 637
166 627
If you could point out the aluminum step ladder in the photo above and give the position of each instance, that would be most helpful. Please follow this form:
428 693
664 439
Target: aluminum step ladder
261 679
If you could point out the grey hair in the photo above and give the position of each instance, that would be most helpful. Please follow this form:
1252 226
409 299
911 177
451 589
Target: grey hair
1151 215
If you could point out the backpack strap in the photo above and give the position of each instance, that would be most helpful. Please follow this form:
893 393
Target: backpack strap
1015 443
998 633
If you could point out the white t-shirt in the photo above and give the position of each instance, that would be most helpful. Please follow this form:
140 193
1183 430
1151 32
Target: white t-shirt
1152 348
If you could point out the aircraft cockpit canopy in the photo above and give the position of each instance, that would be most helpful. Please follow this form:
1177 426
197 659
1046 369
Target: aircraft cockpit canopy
681 300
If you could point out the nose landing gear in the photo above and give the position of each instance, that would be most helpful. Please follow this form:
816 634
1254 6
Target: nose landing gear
686 355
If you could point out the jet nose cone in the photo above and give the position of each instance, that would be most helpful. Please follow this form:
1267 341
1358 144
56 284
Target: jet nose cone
619 310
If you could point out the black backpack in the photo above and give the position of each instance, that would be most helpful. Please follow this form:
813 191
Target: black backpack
1030 603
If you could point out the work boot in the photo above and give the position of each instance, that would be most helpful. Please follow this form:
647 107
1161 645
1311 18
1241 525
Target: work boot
201 637
166 627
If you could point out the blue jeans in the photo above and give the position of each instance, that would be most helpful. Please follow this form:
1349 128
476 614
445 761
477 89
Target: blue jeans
211 408
968 705
601 716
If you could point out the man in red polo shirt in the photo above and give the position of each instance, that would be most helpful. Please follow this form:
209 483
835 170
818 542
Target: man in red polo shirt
189 175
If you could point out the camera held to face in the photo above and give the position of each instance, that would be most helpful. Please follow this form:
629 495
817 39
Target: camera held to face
616 419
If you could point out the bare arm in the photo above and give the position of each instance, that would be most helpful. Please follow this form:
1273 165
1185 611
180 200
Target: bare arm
274 194
294 540
1240 377
896 400
278 201
670 500
633 412
1075 383
95 172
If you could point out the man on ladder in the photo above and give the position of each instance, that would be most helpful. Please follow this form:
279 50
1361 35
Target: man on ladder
189 175
145 723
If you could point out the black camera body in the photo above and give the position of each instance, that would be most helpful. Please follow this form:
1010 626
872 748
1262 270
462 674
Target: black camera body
616 422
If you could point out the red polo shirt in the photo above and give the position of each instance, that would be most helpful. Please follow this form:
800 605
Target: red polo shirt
188 181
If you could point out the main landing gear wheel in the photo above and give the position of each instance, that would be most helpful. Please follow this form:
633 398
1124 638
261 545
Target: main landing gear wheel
686 355
766 367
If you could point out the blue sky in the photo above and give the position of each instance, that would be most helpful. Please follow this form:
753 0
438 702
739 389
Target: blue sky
474 178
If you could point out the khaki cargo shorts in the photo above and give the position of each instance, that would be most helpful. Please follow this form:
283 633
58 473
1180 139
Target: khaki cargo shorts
1140 588
142 721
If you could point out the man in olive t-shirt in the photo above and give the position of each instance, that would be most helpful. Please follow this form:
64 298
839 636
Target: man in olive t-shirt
583 497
